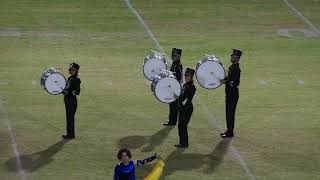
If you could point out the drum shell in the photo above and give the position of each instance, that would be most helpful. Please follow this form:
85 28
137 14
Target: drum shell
153 56
206 59
44 77
157 79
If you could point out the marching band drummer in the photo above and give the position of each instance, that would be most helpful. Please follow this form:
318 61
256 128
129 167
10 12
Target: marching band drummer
185 108
176 67
232 82
70 99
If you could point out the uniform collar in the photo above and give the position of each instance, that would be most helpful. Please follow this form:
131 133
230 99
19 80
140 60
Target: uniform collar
190 82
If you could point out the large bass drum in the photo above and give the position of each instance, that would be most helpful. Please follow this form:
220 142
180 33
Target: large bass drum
153 65
210 72
53 81
165 87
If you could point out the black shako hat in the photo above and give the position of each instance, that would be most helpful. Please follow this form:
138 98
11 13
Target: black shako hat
236 52
189 72
176 51
74 66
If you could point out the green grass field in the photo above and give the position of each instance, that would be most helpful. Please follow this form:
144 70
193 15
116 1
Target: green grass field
277 123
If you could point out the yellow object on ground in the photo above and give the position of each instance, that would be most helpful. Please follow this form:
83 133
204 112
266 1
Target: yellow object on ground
156 172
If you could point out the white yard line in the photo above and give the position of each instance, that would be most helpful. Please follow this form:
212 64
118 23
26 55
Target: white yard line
13 142
144 25
302 17
204 106
233 149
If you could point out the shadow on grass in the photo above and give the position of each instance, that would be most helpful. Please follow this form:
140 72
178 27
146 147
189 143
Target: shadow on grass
148 143
34 161
180 161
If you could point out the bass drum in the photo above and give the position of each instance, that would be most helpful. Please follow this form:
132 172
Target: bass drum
166 88
53 81
210 72
153 65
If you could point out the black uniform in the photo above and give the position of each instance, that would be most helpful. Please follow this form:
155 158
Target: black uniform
232 95
185 111
173 115
71 91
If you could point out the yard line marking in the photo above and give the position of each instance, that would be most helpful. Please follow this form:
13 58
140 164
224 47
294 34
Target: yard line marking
302 17
204 106
233 149
243 163
13 142
144 25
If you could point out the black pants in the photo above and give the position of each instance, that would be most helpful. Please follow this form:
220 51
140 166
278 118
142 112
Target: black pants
184 118
231 105
173 115
71 108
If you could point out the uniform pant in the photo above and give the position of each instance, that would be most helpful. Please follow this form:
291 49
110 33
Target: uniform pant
231 104
184 118
71 108
173 115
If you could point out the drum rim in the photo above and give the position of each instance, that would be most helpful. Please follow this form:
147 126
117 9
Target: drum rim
163 60
46 80
197 67
154 93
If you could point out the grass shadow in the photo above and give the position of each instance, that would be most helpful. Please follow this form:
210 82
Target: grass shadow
34 161
180 161
157 139
214 159
132 142
147 142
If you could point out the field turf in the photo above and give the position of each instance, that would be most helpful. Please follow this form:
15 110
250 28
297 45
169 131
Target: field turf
277 119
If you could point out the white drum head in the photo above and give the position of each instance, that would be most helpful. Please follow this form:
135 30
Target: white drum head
55 83
153 67
209 73
167 89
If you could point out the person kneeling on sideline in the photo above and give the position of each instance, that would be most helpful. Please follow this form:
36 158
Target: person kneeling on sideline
125 170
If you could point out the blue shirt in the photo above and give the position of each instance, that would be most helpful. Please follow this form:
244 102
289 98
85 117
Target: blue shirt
124 172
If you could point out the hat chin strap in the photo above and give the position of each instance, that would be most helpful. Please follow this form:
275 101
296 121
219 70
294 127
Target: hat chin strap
73 69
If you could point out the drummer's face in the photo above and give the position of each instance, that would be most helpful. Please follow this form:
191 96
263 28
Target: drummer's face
175 57
234 59
188 78
72 72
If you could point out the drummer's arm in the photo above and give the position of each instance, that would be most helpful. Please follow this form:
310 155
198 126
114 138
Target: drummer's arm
223 81
65 91
234 78
76 88
178 71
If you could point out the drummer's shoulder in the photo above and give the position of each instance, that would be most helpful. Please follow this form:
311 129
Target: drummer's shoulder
193 87
77 79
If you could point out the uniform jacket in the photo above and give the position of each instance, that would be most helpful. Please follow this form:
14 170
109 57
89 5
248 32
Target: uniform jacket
188 91
177 69
233 79
72 86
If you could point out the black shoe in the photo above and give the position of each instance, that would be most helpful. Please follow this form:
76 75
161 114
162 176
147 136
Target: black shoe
67 137
226 135
168 124
223 133
181 146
